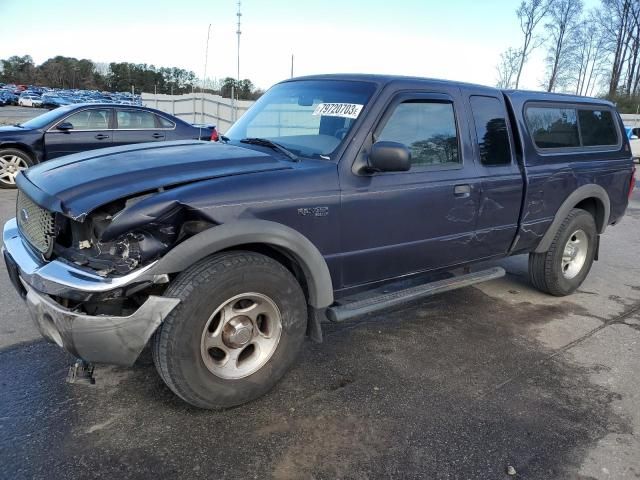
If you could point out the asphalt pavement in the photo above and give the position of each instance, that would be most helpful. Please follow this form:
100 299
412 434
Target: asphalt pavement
10 115
464 385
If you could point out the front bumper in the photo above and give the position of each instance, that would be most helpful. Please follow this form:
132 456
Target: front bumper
102 339
94 338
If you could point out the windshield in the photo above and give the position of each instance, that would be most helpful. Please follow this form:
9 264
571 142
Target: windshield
307 117
45 119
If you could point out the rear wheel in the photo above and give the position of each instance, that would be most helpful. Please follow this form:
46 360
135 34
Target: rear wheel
562 269
238 328
12 162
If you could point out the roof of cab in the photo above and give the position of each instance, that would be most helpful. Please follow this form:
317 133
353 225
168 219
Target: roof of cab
521 95
385 79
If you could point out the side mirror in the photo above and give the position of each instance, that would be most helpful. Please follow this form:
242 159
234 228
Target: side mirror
65 126
389 157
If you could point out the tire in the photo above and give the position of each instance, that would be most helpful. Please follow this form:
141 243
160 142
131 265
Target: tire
558 274
221 283
12 161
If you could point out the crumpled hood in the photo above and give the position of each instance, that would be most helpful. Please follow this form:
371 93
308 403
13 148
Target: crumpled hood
77 184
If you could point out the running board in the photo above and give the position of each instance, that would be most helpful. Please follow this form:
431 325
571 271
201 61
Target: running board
344 312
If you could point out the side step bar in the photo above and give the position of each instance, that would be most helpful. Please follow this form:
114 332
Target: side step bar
344 312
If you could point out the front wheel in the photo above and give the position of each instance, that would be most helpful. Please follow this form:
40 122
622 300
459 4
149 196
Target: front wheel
240 324
12 162
562 269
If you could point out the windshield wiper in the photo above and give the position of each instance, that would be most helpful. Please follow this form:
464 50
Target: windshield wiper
268 143
18 125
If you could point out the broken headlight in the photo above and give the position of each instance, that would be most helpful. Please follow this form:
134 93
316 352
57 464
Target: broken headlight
115 242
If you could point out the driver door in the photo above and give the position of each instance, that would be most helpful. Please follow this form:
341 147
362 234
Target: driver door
91 129
398 223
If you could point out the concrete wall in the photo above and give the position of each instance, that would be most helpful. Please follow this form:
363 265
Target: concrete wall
190 107
631 119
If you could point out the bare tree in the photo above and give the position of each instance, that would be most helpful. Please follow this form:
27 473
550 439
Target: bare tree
618 18
633 67
102 68
589 57
508 68
564 18
530 14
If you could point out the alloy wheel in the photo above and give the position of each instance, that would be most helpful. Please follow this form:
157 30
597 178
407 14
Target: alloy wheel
574 255
10 166
241 336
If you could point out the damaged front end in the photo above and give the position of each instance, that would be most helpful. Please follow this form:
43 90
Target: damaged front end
126 234
92 290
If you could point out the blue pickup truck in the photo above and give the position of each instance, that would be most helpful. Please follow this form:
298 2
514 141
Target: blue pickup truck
334 196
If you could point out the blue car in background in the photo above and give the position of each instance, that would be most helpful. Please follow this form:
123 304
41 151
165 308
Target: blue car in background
81 127
633 134
53 100
7 98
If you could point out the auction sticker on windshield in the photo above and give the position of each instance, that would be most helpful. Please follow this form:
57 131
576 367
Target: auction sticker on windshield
345 110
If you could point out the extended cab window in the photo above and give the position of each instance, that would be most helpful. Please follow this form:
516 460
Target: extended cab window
597 128
553 127
491 130
428 129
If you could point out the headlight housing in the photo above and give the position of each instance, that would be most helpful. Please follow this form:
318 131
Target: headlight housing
129 233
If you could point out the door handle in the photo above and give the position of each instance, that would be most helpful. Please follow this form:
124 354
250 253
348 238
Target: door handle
101 136
157 135
462 190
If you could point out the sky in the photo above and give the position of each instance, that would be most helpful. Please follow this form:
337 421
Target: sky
450 39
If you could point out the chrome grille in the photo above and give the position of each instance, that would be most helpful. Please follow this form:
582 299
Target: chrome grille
36 224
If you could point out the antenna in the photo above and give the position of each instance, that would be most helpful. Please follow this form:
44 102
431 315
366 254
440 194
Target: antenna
204 76
238 32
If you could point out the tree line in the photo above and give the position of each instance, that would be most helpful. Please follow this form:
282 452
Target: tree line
588 52
71 73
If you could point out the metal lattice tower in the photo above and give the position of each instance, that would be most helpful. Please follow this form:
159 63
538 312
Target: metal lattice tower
239 32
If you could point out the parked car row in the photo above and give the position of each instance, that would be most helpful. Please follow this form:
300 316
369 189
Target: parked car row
77 128
32 96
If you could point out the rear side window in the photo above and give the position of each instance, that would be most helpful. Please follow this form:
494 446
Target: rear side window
491 130
553 127
135 120
559 127
597 128
428 129
164 123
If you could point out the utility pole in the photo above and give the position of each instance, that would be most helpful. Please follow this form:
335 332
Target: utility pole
204 77
238 32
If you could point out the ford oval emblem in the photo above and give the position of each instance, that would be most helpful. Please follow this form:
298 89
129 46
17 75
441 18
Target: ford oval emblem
24 215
